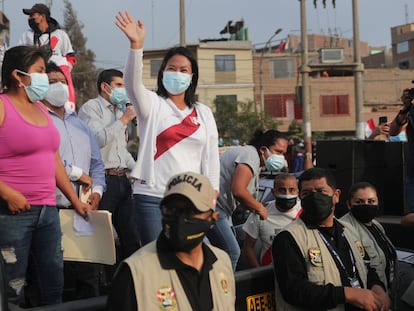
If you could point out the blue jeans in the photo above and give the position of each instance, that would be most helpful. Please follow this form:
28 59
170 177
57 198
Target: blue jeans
147 217
223 236
298 164
32 237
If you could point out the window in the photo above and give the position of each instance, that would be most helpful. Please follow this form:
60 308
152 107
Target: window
282 106
225 62
405 64
402 47
282 68
155 67
334 105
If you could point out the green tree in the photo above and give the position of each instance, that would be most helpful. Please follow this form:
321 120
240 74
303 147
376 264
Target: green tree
295 129
84 72
238 120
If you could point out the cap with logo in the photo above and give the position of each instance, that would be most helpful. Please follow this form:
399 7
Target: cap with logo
197 188
37 8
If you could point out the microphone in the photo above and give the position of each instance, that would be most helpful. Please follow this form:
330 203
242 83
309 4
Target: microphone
134 120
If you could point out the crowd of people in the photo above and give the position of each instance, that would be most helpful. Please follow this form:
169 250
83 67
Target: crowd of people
178 248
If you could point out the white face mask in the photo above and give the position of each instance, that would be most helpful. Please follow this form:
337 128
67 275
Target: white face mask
57 94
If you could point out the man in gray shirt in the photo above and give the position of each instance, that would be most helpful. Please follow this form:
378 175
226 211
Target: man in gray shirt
108 116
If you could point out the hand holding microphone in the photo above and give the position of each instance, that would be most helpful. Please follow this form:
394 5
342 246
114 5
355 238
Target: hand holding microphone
134 120
129 114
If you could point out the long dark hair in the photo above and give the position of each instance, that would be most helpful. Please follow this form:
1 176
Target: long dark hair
190 97
20 57
267 138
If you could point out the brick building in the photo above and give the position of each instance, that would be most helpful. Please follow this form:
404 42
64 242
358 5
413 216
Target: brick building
230 72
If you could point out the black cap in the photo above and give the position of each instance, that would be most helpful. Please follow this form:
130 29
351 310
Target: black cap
37 8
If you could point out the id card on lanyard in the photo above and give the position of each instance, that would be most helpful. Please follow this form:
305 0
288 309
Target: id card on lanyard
354 282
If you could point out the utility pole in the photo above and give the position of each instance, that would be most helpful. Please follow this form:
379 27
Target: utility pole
304 70
182 23
358 69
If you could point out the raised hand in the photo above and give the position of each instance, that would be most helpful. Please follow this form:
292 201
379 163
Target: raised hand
135 31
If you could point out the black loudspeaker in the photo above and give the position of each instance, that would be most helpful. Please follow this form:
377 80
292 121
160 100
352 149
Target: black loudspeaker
394 178
377 162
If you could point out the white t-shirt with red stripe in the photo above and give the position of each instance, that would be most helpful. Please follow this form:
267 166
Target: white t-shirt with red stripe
197 152
266 230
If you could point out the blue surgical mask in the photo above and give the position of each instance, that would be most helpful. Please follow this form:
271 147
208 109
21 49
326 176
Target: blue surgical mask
39 85
176 82
274 162
119 97
58 94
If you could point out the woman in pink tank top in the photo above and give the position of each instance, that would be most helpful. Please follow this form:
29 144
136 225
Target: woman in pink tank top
30 170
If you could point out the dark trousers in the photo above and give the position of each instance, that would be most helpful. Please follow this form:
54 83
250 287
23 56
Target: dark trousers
83 278
118 200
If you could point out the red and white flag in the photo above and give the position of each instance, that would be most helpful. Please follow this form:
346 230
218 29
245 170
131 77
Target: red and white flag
283 46
369 127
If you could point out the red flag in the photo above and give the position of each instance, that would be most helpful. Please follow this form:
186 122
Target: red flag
281 48
370 127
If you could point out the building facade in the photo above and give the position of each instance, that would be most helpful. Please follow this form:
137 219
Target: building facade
332 103
234 71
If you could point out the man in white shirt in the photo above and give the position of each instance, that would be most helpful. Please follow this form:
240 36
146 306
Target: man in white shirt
108 116
281 212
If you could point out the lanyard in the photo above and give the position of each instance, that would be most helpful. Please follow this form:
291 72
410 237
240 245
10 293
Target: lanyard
385 240
334 253
389 260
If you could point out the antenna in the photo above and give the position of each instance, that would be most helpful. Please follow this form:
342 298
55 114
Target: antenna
152 23
406 13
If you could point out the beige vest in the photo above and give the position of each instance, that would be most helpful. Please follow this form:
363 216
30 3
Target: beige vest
160 289
322 268
376 255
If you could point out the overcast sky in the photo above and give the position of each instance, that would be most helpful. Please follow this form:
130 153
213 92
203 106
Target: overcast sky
205 19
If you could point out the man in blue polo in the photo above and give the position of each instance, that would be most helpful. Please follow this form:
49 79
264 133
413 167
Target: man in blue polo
83 163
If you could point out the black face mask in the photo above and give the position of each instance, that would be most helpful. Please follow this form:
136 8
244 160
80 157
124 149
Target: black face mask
285 202
364 213
316 207
33 25
184 233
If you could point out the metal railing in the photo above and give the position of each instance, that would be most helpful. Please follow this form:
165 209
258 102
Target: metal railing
251 284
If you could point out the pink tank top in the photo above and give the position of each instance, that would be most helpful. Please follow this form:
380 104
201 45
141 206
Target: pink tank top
27 155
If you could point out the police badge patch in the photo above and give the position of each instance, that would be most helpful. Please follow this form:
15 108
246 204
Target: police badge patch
223 283
315 257
361 248
167 299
